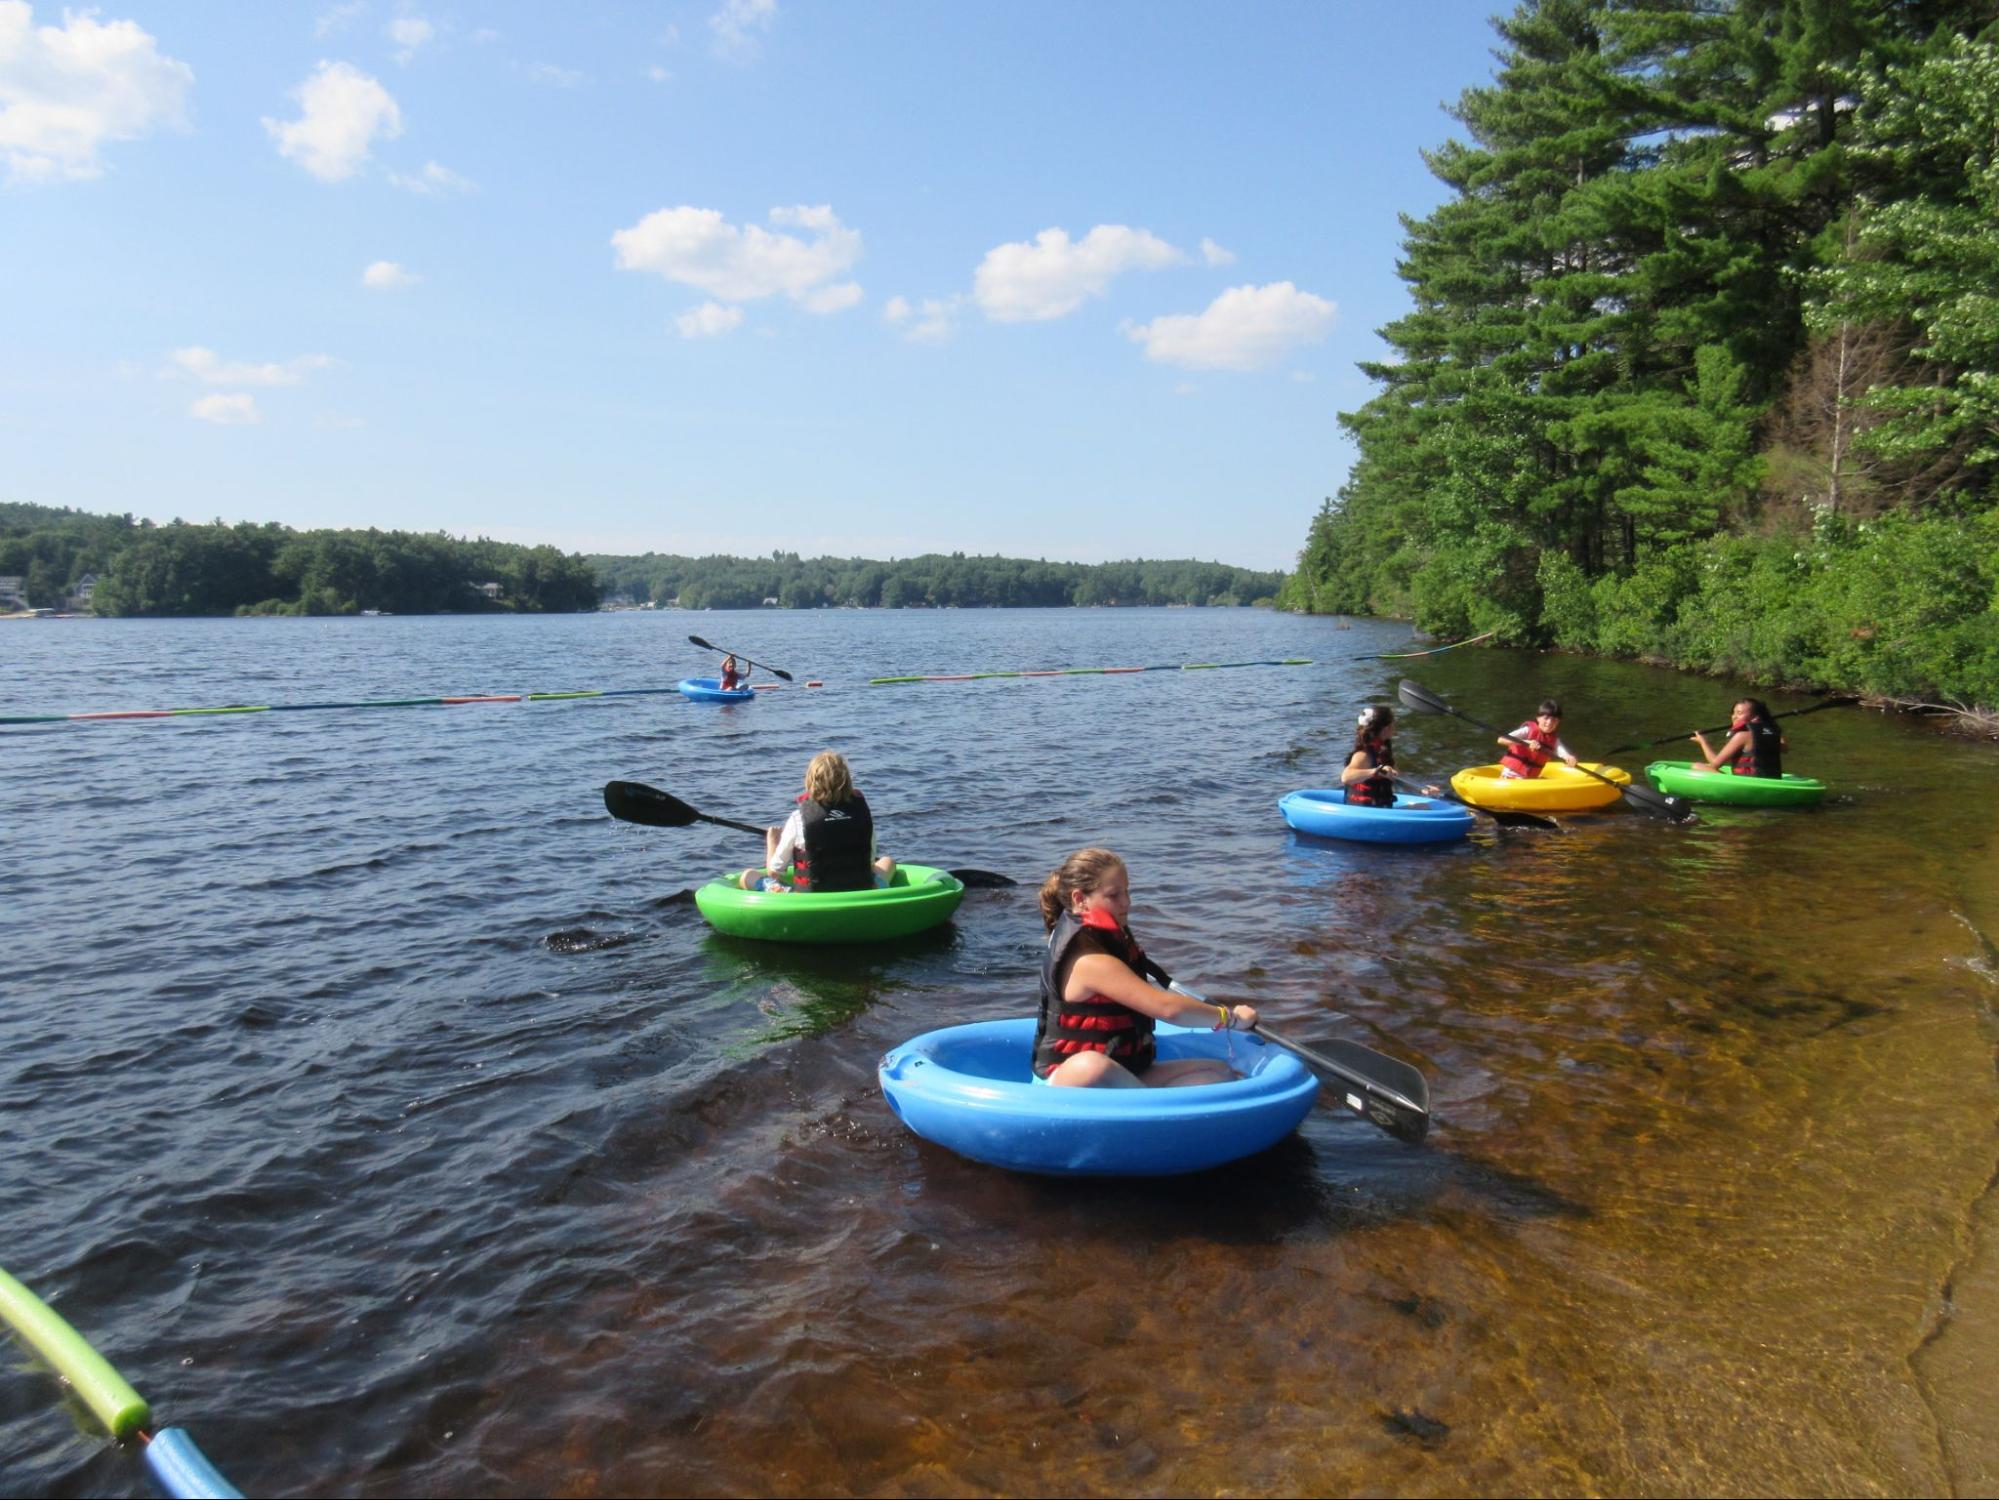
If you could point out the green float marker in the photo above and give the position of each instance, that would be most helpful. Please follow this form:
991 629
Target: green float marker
1191 666
122 1410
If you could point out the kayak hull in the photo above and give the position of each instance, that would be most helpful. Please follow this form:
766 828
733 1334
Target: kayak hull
969 1089
1327 814
1556 790
709 690
918 899
1683 779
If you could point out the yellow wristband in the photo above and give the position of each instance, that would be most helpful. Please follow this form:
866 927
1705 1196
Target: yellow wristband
1223 1012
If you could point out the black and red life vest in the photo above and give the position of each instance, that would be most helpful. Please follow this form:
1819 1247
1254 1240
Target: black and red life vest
1376 790
839 847
1091 1024
1527 759
1763 755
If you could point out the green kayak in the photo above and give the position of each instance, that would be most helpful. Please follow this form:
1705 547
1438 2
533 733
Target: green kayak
917 899
1699 784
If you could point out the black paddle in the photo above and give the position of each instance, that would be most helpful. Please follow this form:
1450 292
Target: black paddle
1390 1094
774 671
1501 816
635 802
1667 739
1658 804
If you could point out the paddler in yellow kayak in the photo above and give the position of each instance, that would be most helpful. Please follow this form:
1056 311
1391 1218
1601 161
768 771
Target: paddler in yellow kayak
1534 744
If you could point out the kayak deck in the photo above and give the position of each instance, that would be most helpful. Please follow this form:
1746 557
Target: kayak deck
918 898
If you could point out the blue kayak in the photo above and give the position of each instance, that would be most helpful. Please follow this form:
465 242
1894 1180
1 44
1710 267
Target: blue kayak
1412 820
970 1088
709 690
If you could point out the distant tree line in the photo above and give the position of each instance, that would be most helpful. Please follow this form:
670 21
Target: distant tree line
1702 362
933 581
184 569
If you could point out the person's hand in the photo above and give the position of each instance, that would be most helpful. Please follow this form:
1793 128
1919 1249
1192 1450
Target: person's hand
1242 1018
1433 791
1571 760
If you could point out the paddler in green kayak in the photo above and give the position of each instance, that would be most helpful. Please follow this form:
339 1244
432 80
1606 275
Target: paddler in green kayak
828 842
1754 747
1097 1012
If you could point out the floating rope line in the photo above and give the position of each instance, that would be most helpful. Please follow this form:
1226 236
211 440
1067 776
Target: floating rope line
452 701
1188 666
1405 655
179 1466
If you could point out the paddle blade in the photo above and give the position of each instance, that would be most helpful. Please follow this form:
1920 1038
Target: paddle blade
1420 698
635 802
974 880
1661 805
696 640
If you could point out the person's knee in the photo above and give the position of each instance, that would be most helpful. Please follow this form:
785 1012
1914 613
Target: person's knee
1084 1070
749 880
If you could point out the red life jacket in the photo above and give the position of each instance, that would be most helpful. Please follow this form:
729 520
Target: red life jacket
1527 759
1093 1023
1764 754
730 680
1377 790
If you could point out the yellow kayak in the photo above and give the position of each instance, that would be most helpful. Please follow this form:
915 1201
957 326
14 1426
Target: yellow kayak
1556 789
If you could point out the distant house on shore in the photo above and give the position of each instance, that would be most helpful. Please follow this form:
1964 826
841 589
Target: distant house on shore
11 596
490 590
86 589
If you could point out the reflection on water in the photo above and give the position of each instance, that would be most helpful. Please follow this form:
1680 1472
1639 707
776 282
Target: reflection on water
393 1119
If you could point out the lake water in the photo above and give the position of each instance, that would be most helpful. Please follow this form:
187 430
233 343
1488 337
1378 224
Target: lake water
313 1130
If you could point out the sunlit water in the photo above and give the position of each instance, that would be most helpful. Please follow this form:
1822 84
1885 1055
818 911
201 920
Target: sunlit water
310 1126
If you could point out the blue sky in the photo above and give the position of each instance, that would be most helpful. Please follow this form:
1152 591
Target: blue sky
1075 281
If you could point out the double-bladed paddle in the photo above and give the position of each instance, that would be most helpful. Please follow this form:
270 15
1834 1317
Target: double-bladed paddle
1658 804
635 802
1502 816
1667 739
774 671
1379 1089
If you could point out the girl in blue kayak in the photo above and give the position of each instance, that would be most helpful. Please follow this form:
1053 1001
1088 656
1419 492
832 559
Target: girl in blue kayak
1366 774
1754 747
731 676
1097 1008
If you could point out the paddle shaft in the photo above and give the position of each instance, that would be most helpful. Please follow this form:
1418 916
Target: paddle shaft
1505 819
705 646
1674 807
1399 1115
1667 739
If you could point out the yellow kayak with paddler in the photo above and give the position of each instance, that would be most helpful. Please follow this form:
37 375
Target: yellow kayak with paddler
1557 789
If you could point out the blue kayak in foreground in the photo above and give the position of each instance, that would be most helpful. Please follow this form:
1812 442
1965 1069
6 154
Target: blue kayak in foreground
1412 820
970 1088
709 690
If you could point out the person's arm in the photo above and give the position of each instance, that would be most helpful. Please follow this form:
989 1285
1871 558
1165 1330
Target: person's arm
1733 746
1355 769
1564 751
1099 973
781 845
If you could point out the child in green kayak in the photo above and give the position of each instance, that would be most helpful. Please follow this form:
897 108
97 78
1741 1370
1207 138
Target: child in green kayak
1754 747
1098 1009
828 843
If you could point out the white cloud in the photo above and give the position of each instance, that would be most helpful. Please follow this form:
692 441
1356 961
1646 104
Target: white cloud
1215 255
210 368
697 247
409 33
337 18
387 275
708 320
554 76
341 112
931 321
1245 328
739 26
433 179
67 90
1023 282
658 74
238 410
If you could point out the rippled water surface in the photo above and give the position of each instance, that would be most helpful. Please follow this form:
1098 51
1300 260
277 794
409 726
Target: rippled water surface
381 1108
